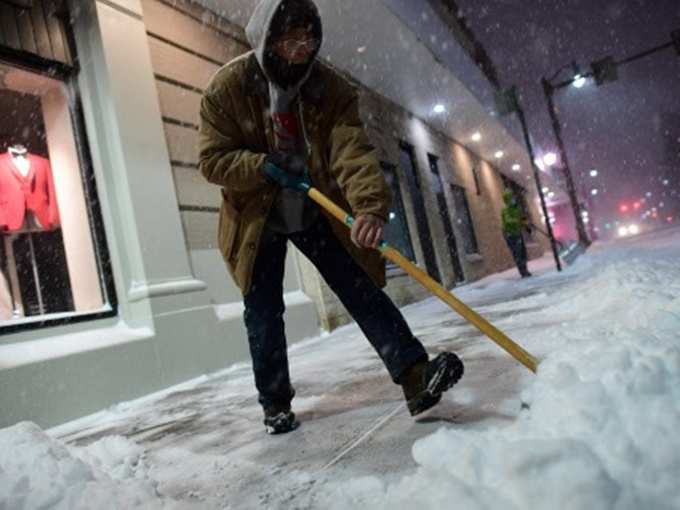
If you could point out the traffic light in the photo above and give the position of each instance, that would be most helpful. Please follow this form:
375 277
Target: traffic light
605 70
675 35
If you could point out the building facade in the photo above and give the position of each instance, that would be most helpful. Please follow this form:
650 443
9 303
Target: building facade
112 285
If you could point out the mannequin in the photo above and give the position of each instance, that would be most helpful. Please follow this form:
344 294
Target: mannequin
19 155
28 201
8 309
28 210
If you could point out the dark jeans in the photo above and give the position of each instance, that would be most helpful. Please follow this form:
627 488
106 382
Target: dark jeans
379 319
519 251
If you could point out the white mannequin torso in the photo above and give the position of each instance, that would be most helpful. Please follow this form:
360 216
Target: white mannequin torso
22 163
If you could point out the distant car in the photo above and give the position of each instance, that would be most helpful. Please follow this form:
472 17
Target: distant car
629 231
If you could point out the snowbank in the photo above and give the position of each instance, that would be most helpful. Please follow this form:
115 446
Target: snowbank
601 427
37 471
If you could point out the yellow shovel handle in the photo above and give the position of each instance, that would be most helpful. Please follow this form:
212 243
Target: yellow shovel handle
466 312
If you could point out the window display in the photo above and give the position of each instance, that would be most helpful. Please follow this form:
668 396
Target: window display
49 261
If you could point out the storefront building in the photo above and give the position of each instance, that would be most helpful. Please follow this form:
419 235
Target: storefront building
112 286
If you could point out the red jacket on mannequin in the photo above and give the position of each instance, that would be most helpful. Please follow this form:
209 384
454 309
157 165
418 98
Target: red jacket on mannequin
34 193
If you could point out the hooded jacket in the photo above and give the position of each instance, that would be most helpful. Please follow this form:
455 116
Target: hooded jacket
236 134
292 211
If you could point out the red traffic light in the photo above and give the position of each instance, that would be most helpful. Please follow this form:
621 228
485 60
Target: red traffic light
623 208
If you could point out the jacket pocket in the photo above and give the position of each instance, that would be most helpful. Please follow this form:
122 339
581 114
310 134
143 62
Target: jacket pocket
228 230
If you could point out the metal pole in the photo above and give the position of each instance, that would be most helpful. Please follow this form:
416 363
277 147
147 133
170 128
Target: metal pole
571 188
539 186
6 272
36 275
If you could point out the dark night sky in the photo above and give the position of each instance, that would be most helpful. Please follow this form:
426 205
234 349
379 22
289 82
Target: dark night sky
624 129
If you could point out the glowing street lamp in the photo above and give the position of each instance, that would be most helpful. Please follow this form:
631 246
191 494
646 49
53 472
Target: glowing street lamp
579 81
440 108
550 159
594 173
499 154
477 137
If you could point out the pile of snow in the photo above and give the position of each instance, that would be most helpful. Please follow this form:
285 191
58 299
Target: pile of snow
37 471
600 430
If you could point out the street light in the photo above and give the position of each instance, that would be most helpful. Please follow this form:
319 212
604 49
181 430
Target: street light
516 167
500 154
440 108
594 173
477 137
579 81
549 91
603 71
550 159
507 102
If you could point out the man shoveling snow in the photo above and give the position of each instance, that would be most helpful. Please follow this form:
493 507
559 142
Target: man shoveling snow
270 120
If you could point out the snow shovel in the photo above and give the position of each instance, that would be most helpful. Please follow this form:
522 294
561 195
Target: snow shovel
568 253
424 279
572 252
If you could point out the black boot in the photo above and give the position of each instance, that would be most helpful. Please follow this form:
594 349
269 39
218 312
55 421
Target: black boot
424 382
279 420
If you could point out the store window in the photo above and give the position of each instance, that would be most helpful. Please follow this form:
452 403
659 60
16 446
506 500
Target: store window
396 230
465 223
409 167
53 258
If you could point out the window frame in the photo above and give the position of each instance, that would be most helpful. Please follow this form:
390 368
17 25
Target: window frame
398 204
414 184
68 75
461 191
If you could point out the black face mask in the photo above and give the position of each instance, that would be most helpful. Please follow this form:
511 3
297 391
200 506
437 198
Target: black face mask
285 74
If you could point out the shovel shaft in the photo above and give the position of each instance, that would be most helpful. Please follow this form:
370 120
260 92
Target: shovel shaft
424 279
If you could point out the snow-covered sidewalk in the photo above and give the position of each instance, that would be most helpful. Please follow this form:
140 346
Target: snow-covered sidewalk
594 429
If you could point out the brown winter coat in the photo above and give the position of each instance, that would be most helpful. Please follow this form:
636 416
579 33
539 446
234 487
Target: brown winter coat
236 135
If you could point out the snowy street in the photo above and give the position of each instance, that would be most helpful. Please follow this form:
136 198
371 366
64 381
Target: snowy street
595 429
